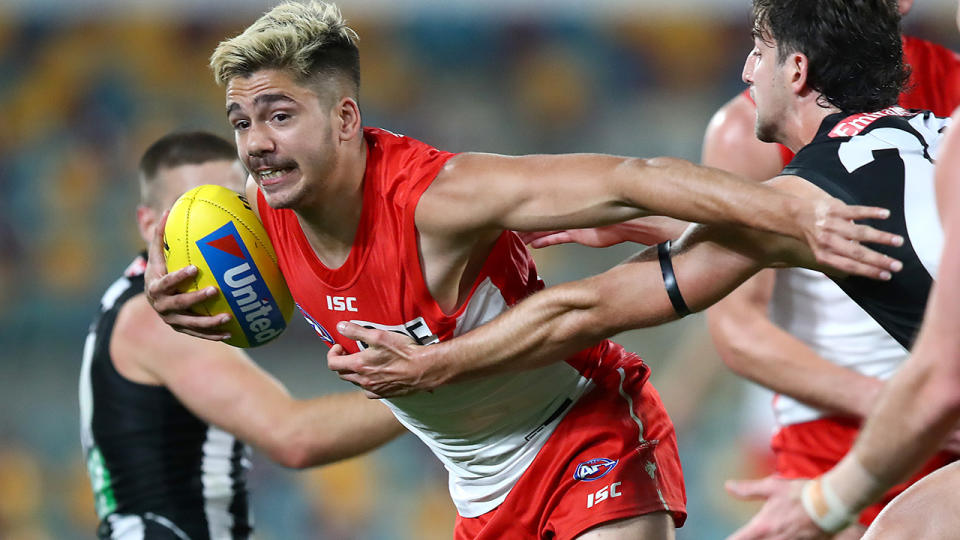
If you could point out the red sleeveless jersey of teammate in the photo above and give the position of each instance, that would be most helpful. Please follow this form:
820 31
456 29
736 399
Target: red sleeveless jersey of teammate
934 81
523 450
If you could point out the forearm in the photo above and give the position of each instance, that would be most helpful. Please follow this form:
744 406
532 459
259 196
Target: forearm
549 326
755 348
682 190
561 320
333 427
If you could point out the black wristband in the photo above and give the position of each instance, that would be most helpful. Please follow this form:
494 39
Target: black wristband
670 280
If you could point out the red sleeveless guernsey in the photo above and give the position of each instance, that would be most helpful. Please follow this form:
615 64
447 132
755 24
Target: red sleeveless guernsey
486 432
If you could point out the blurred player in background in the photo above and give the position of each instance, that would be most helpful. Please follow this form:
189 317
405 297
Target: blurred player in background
164 415
394 234
796 332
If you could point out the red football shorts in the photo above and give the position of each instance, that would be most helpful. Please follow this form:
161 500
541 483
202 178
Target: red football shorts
613 456
812 448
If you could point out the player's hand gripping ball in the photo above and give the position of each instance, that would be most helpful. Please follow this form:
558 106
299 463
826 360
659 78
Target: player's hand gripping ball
214 229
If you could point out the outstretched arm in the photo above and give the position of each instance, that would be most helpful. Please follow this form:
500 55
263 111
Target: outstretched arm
556 322
221 385
483 193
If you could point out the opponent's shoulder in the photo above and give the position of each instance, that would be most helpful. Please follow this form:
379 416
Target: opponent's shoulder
734 119
143 346
730 142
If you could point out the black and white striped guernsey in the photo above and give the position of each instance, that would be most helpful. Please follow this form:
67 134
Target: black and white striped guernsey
885 159
157 471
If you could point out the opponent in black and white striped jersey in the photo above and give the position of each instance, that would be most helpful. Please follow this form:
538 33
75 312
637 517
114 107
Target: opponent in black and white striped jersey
885 159
163 413
157 470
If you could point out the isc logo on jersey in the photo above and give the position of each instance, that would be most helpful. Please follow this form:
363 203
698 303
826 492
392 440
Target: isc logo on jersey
214 229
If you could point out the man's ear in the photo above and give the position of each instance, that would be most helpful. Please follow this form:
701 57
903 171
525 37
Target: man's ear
146 221
348 112
799 66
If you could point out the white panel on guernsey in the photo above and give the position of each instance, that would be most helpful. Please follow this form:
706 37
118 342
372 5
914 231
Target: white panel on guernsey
487 432
811 307
217 477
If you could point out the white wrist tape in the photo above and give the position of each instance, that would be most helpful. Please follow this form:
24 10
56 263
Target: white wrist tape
824 507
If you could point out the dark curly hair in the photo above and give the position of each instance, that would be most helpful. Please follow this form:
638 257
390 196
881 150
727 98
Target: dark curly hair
854 47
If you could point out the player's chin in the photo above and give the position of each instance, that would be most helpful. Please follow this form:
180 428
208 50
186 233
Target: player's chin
280 196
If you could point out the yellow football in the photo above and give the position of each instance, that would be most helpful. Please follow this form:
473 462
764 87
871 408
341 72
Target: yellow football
214 229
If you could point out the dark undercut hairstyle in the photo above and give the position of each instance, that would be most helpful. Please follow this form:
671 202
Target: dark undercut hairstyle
854 47
176 149
309 39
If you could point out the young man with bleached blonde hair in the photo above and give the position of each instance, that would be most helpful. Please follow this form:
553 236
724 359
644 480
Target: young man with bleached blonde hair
393 234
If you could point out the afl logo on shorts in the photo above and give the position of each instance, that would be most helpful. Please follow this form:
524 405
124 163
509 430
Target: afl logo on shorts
594 469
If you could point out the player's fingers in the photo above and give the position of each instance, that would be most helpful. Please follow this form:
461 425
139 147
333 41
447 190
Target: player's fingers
156 262
856 212
198 323
866 233
527 237
750 489
743 533
212 336
166 304
838 245
167 284
855 268
562 237
356 332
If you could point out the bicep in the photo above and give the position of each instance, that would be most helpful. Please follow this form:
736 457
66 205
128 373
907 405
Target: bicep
478 192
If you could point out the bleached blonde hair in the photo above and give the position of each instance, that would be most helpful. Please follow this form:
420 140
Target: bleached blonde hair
305 38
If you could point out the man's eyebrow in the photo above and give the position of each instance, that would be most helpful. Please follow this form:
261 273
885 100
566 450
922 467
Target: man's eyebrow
261 99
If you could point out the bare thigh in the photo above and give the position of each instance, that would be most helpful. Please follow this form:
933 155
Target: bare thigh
655 526
929 509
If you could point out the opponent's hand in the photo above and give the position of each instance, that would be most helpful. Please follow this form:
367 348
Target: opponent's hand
174 307
387 367
835 240
782 516
647 230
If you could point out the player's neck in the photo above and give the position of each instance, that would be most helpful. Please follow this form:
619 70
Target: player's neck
331 221
809 115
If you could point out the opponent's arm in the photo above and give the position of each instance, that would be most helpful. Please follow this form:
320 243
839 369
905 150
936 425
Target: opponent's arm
745 337
222 386
756 349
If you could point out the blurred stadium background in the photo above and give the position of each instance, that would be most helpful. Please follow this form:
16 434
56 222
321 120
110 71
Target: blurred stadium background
85 86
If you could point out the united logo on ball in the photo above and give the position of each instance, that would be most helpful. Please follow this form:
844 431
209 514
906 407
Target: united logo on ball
214 229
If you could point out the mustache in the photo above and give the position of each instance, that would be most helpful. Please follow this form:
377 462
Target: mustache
253 164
